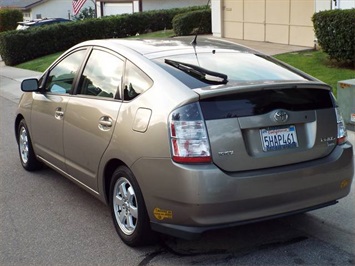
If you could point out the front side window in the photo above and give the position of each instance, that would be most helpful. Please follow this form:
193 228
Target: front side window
102 75
135 82
61 77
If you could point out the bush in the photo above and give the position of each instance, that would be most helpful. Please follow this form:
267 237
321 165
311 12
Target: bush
335 31
193 22
9 19
20 46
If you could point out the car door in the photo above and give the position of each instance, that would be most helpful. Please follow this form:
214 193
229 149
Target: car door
48 108
91 115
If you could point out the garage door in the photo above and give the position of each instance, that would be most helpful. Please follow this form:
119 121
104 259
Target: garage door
278 21
118 8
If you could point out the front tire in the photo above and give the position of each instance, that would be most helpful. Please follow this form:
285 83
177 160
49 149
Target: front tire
128 209
27 155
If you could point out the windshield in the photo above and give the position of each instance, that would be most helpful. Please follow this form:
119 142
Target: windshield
239 67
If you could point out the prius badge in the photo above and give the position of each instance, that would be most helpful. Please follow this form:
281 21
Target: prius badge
281 116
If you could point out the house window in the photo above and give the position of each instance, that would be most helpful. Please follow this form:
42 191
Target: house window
38 16
26 16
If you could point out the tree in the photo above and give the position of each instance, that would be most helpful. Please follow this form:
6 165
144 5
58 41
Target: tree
85 13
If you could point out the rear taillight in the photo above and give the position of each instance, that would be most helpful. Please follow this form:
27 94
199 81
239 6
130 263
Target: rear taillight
188 135
342 135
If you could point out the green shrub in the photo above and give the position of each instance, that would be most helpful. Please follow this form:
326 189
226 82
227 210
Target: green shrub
9 18
20 46
193 22
335 31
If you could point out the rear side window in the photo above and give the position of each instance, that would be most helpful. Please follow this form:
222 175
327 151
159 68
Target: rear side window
135 82
261 102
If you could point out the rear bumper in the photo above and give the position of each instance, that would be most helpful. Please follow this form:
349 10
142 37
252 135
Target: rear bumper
186 200
190 232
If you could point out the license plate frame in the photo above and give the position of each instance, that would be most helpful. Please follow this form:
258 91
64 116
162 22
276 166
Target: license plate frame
278 138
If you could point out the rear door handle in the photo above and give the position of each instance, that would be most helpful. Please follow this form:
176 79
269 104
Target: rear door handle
105 123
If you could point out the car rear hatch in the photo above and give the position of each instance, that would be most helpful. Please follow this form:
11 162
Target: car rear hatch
253 127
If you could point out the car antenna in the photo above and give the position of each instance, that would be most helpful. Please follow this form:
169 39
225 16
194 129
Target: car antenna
194 41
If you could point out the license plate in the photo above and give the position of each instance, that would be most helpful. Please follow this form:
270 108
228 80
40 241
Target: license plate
274 139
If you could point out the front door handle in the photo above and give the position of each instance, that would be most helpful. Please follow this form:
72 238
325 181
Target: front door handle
59 113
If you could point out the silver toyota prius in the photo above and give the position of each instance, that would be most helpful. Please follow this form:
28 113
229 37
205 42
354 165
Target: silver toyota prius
181 137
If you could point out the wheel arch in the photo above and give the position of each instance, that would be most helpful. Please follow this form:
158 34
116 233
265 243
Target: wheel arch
110 168
18 119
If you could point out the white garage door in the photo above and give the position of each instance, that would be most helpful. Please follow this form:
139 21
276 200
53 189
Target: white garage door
118 9
277 21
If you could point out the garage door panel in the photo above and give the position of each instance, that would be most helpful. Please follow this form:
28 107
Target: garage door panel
254 11
254 32
303 36
233 10
277 33
278 11
233 30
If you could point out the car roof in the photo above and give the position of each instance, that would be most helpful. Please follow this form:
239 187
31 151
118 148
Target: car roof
156 48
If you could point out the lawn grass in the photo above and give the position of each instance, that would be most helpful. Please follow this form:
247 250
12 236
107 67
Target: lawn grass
40 64
317 64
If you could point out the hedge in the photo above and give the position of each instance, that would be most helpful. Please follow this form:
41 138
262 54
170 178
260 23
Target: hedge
335 31
193 22
20 46
9 18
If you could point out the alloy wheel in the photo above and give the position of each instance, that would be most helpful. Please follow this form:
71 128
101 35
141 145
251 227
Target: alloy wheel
125 206
23 144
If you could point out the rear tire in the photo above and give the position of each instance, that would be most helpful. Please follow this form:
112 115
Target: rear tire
128 209
27 156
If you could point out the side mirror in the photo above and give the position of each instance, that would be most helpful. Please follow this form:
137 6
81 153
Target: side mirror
29 85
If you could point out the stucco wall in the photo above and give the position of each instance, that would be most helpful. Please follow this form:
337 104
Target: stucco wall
55 9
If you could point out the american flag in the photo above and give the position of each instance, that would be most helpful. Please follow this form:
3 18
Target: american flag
77 5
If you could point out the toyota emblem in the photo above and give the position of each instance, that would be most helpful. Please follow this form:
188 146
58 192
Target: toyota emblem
281 116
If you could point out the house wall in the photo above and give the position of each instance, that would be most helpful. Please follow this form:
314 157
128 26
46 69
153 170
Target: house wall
54 9
277 21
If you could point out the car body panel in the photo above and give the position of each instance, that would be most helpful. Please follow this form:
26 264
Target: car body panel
46 111
88 127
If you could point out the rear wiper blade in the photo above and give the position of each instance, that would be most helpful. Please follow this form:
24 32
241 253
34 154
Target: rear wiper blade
205 75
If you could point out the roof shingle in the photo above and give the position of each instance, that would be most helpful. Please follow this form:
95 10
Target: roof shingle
18 3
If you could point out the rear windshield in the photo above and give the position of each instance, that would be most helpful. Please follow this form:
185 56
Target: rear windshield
262 102
239 67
